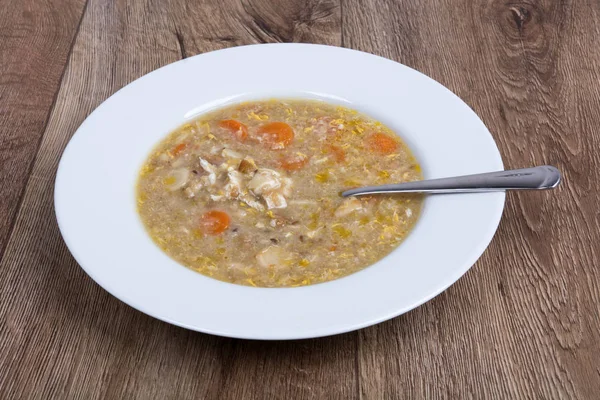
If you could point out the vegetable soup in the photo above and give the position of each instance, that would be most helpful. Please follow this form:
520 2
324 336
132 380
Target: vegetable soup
250 193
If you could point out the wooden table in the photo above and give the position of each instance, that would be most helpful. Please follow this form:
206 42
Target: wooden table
523 323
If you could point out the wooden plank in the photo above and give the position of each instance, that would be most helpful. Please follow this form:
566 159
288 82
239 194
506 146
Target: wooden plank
64 337
524 322
35 39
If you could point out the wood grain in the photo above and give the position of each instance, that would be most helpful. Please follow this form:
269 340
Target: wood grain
523 323
79 342
35 40
529 307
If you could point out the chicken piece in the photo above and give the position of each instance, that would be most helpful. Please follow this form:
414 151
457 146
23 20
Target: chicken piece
231 154
233 188
212 171
348 206
265 180
247 166
208 180
274 200
217 197
208 167
252 202
272 256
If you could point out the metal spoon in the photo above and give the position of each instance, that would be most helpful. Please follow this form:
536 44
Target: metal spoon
542 177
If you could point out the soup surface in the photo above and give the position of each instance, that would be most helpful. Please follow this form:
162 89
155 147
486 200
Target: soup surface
250 194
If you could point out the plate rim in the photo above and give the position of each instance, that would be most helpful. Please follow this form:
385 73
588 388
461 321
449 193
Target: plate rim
476 253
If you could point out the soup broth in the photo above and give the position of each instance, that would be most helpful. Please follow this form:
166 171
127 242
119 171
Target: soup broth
250 193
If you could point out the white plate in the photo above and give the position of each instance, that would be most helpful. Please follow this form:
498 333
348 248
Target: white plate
96 212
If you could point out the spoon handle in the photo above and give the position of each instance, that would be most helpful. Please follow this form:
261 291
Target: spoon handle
542 177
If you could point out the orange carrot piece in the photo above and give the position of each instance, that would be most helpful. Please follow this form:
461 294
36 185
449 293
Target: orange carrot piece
237 128
214 222
338 153
178 149
293 163
381 143
277 135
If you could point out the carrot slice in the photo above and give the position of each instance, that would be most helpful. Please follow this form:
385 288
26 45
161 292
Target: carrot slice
381 143
277 135
293 163
214 222
178 149
237 128
338 153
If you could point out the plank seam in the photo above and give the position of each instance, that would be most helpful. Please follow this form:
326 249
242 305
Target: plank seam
39 142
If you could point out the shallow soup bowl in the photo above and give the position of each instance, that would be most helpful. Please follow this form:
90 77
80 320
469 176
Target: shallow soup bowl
96 206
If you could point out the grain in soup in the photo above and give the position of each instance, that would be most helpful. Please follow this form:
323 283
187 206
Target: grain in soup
250 193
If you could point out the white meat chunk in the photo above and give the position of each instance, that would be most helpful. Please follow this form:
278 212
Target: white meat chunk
247 166
286 187
233 188
208 167
348 206
274 200
231 154
252 202
209 180
265 180
212 171
272 256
